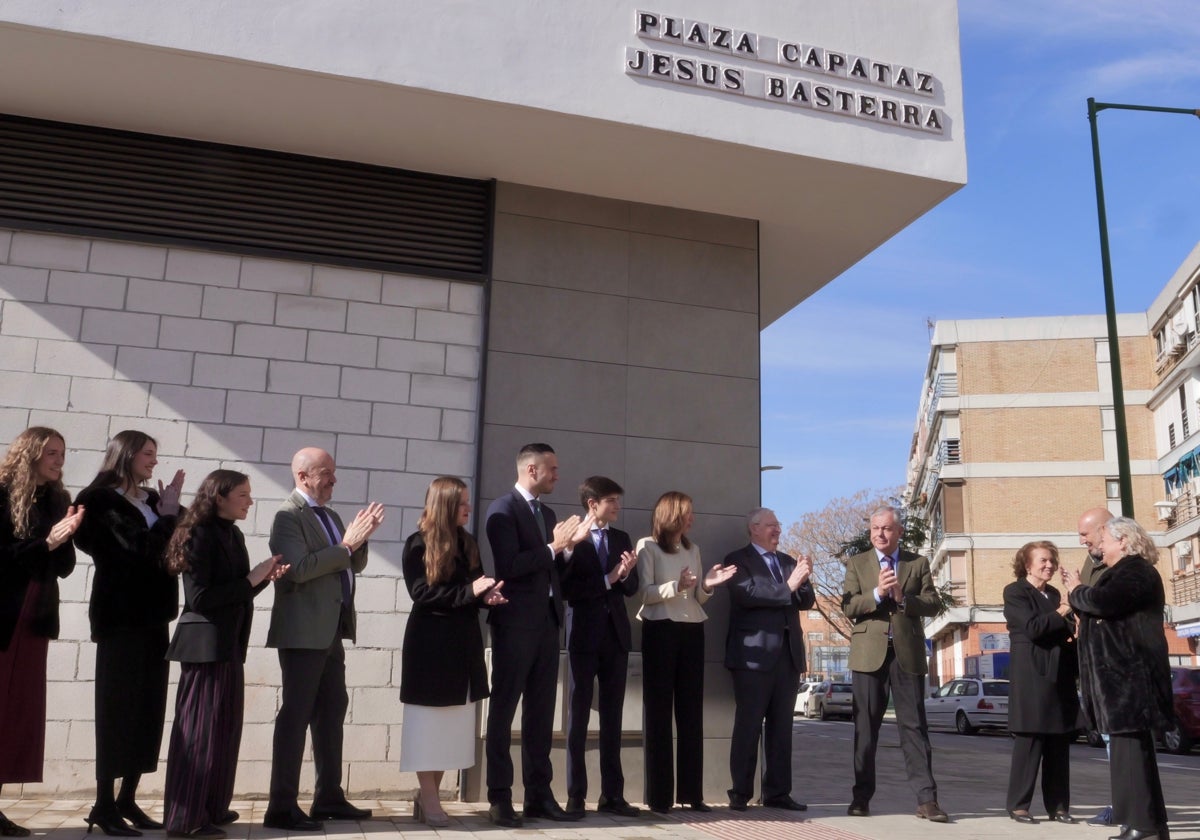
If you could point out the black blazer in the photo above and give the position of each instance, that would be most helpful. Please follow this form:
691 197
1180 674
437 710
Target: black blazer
1042 663
218 600
131 588
593 605
28 559
524 562
762 611
441 663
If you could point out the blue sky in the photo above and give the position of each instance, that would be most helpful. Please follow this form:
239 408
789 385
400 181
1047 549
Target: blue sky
842 372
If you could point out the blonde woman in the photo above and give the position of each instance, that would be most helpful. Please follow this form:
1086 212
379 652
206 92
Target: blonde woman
674 589
442 674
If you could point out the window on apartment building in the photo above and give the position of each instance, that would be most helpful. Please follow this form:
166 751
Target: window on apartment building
1171 434
1112 489
1195 296
814 615
1183 410
1160 341
816 637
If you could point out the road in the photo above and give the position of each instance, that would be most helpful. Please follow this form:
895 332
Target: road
972 776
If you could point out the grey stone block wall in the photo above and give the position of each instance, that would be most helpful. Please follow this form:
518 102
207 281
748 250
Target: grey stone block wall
626 336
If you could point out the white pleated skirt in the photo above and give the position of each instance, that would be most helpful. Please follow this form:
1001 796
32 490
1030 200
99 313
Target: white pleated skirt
437 737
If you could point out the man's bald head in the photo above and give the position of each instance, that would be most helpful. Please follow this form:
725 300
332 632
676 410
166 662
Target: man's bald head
314 472
1091 523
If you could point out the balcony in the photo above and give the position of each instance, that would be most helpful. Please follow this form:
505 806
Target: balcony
949 451
1186 587
945 385
1186 508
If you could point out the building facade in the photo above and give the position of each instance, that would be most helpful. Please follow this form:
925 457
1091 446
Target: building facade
421 236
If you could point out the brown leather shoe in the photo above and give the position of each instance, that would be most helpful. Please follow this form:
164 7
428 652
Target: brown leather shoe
932 811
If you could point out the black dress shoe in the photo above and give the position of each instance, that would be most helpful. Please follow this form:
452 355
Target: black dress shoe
659 809
8 828
698 806
858 809
110 822
1022 817
549 809
1138 834
576 805
503 815
339 811
227 818
784 802
1065 818
737 802
617 805
295 820
137 817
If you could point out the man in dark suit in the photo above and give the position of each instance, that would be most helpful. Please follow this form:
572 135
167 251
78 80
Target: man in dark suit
1091 527
886 594
764 651
312 613
530 550
600 577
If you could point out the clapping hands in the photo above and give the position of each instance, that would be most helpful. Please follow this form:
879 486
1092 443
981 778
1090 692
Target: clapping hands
271 569
64 528
621 571
168 496
363 526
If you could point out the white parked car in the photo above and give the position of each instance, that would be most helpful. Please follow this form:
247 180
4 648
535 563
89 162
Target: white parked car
968 705
807 700
802 695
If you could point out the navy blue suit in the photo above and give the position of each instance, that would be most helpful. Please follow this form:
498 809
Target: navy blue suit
764 652
598 645
524 647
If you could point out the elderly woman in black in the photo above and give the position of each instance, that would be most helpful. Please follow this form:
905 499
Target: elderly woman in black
1043 709
442 673
36 524
209 552
134 597
1125 673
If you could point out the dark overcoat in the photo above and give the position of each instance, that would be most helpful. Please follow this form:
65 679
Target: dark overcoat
1043 662
442 660
1124 671
131 588
26 559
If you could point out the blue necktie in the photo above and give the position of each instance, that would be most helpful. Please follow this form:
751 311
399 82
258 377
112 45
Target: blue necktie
602 550
327 521
537 517
773 565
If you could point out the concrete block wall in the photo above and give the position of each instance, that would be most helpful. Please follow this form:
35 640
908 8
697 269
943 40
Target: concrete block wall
627 337
237 362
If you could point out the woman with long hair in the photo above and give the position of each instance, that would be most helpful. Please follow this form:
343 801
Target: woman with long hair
1125 674
674 589
134 597
36 524
442 674
209 552
1043 709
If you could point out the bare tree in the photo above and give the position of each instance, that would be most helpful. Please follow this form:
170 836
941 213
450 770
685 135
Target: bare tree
824 535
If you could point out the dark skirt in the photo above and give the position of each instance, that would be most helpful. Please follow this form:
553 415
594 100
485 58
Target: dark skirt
23 698
131 701
205 738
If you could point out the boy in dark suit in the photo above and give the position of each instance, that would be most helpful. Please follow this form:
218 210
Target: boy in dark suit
601 576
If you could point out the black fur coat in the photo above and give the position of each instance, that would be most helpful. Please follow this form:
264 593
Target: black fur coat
1124 671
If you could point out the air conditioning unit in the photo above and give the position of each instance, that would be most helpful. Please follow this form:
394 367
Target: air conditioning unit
1165 510
1184 549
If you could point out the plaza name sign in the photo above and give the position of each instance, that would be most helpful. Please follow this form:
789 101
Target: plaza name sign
881 103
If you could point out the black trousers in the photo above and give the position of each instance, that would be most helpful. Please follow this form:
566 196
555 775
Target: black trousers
763 698
313 696
525 670
871 689
1052 754
609 666
131 701
673 669
1136 789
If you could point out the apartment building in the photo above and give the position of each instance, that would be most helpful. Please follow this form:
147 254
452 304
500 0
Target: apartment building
1014 439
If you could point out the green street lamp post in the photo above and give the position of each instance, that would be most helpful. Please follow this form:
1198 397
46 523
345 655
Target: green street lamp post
1110 306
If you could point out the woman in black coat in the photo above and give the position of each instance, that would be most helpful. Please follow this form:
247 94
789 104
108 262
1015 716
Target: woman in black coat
125 530
209 552
36 524
442 673
1043 708
1125 673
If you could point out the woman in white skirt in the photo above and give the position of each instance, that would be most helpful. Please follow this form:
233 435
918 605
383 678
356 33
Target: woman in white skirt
442 671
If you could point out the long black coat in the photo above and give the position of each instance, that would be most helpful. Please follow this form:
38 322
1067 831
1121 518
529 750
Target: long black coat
27 559
218 600
1124 669
442 660
1043 662
131 589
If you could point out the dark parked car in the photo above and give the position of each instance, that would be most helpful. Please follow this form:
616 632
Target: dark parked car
1185 685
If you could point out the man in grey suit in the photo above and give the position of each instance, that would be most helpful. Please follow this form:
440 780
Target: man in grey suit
886 593
313 612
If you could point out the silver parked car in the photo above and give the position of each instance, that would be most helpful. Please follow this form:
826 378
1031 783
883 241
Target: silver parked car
834 698
968 705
